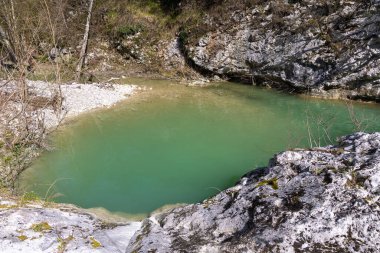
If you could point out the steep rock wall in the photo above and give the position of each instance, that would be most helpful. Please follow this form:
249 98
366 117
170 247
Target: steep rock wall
328 48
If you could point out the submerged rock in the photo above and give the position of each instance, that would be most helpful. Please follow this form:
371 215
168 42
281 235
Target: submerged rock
317 200
328 48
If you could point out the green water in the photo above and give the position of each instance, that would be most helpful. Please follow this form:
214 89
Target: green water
177 144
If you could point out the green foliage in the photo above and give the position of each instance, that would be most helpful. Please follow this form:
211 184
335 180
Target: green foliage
63 242
128 30
29 196
41 227
17 149
7 159
183 36
94 243
22 237
153 6
271 182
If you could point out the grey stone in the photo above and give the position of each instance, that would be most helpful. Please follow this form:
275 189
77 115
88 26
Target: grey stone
36 228
307 50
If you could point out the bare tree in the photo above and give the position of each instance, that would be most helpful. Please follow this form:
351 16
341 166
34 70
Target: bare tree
83 51
22 107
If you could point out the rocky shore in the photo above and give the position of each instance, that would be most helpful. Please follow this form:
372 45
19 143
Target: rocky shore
317 200
30 225
75 98
33 226
48 105
323 199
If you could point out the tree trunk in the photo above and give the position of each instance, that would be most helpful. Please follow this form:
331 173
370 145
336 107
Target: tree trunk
5 43
83 51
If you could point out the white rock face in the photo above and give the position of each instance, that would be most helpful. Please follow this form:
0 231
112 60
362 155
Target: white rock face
294 51
34 228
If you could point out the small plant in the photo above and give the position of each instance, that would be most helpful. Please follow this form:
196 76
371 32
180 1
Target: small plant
318 171
41 227
126 31
7 159
319 128
22 237
94 243
183 36
50 194
354 180
360 124
29 197
271 182
63 242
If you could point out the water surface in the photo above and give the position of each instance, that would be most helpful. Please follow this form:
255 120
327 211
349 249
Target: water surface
178 144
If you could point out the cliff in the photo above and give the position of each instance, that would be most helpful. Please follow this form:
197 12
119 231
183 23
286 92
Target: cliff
326 48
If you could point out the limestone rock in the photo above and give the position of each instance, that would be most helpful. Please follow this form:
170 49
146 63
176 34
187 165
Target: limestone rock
35 228
304 46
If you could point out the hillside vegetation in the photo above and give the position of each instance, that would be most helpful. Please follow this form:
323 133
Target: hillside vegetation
126 37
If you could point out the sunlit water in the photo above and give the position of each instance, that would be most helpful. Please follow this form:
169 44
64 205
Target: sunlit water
177 144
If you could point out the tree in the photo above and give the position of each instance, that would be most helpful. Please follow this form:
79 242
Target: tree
83 51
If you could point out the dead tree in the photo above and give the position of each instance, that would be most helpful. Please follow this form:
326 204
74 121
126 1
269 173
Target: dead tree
83 51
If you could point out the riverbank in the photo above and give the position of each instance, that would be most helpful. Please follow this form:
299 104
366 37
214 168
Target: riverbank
48 227
76 98
30 224
321 199
25 124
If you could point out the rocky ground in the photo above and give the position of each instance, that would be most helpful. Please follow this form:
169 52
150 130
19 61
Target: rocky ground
30 226
318 200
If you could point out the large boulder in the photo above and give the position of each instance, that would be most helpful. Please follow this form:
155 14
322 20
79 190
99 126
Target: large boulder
315 200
